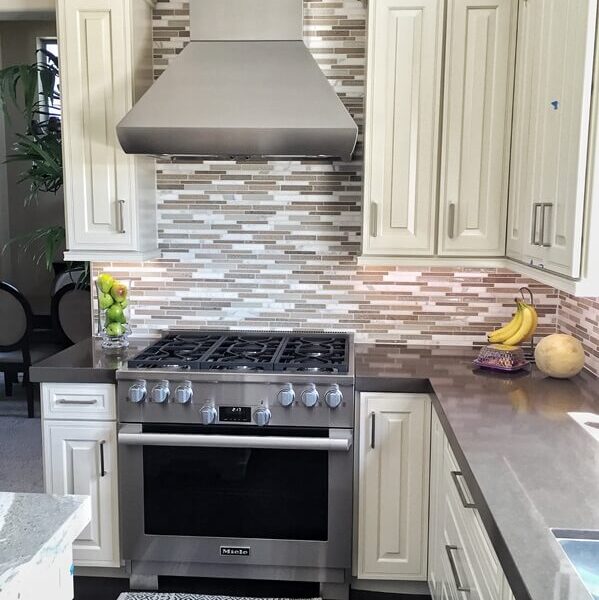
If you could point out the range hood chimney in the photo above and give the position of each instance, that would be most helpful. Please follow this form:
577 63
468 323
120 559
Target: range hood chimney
245 86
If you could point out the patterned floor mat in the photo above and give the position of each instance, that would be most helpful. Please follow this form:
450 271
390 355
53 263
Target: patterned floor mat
179 596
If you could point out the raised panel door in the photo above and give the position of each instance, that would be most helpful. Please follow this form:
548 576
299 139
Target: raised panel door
80 458
479 71
393 486
401 139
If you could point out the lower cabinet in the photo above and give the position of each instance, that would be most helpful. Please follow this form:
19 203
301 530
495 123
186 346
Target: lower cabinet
393 486
462 562
80 457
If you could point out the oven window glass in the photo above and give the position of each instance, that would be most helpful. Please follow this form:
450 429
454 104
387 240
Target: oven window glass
236 492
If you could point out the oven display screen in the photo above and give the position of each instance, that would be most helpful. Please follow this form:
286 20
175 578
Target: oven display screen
235 414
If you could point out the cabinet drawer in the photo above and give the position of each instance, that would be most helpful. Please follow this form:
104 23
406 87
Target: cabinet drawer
78 401
484 566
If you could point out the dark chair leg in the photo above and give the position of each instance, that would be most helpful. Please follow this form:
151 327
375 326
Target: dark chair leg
29 392
8 383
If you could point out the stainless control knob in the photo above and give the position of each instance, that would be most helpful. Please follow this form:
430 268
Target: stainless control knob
310 396
208 414
286 396
333 397
160 392
137 392
183 392
262 416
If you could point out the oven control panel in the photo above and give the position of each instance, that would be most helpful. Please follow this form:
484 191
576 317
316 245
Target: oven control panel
220 403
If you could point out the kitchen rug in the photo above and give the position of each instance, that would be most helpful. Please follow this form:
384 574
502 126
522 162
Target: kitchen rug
179 596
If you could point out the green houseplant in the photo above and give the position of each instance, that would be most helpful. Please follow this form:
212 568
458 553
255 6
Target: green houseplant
33 91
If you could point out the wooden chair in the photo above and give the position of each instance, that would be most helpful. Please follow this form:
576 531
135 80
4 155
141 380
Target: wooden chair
71 313
17 353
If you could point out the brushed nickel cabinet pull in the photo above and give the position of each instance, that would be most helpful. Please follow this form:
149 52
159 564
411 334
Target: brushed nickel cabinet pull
67 401
102 465
544 207
451 221
121 204
535 214
374 216
372 429
465 502
454 569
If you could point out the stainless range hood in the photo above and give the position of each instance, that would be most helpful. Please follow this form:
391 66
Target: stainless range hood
245 86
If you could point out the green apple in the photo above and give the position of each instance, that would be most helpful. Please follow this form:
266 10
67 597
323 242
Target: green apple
118 291
115 314
124 303
105 300
105 282
114 329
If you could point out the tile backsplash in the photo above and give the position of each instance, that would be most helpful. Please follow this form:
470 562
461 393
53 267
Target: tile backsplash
275 244
580 318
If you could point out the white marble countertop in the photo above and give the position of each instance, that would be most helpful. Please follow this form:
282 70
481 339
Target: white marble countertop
34 529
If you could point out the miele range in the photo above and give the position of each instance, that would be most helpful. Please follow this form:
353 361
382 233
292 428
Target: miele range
236 458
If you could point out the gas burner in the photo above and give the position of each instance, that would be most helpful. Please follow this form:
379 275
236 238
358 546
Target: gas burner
247 352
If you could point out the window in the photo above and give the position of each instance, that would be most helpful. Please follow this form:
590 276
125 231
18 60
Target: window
48 55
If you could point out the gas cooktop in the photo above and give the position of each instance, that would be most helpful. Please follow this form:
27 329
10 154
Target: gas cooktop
247 352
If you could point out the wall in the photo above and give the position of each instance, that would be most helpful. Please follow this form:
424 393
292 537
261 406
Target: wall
18 46
275 244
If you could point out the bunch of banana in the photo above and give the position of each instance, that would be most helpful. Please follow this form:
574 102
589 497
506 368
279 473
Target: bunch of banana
521 328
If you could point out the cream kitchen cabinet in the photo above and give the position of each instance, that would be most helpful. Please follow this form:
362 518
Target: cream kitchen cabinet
403 106
462 562
80 457
412 172
552 110
105 65
393 482
477 108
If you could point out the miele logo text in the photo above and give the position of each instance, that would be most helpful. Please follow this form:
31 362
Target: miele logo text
234 551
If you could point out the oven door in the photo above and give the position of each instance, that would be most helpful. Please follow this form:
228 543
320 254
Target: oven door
236 495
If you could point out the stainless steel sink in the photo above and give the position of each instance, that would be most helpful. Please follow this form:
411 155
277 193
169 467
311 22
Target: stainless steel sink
582 548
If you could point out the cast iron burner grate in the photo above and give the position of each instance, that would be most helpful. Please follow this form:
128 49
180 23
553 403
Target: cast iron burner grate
314 354
247 352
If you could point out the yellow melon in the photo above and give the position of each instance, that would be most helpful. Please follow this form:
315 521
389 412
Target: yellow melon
560 355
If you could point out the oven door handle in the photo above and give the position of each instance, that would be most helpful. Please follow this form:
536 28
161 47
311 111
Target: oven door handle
333 444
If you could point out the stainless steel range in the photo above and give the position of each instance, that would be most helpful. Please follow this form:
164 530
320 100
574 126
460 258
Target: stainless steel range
236 458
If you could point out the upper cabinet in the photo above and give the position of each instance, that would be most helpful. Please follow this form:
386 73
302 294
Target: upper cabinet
405 45
552 111
477 108
412 172
105 65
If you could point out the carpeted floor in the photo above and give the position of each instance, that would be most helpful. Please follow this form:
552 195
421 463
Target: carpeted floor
20 444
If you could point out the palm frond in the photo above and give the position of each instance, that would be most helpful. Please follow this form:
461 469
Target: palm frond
42 243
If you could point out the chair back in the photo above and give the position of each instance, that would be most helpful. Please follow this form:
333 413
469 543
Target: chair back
71 313
15 319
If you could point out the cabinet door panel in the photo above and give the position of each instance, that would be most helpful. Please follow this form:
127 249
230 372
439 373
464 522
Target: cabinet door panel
562 112
520 203
96 94
479 70
72 465
404 74
551 121
393 517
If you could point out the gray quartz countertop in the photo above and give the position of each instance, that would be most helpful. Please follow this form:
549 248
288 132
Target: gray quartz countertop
85 362
529 465
34 529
